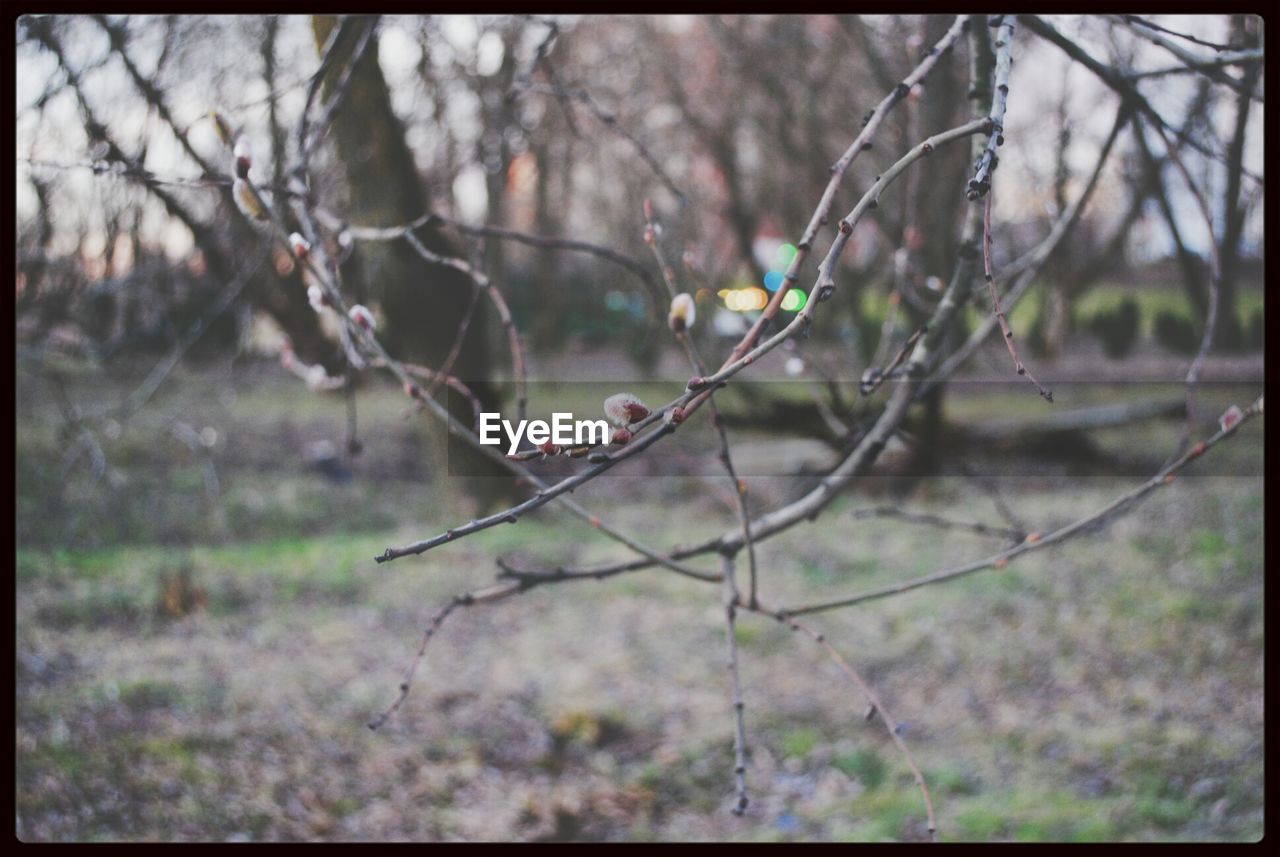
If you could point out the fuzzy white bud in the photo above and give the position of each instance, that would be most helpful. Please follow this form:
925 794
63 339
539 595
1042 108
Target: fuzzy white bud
247 201
319 300
683 313
317 377
360 315
624 409
301 247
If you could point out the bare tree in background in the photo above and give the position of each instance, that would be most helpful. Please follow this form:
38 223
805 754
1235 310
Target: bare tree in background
367 277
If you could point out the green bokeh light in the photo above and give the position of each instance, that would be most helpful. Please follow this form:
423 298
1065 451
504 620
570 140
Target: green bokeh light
794 300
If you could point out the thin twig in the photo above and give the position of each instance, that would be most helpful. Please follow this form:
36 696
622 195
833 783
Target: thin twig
1118 82
466 599
877 704
1143 22
700 391
1191 67
1034 541
1215 285
995 300
731 600
1010 534
874 376
653 232
1211 70
341 87
140 396
459 337
484 284
861 143
981 181
1023 270
610 121
546 242
325 270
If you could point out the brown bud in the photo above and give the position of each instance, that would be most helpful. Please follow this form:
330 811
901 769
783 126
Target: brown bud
549 448
621 437
1230 417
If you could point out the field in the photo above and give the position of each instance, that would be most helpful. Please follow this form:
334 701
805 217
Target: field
202 635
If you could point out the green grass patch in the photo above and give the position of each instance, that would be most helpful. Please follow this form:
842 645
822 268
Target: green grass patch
866 766
800 742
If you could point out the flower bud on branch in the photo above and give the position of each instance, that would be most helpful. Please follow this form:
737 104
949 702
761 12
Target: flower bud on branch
243 158
360 315
683 313
624 409
319 300
301 247
247 200
226 132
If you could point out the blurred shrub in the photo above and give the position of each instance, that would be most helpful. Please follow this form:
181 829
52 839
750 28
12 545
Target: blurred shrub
1176 332
1117 327
867 327
1036 339
1253 331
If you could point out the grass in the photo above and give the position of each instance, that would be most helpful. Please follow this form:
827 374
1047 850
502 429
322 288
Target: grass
188 671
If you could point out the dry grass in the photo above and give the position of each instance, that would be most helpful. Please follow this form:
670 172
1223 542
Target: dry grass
214 683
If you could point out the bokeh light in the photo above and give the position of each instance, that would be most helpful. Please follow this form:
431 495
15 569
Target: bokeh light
786 253
773 280
794 300
745 300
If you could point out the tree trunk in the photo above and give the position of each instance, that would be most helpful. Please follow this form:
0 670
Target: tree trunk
1228 333
423 304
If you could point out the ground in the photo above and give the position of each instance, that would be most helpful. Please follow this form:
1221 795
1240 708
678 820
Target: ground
198 661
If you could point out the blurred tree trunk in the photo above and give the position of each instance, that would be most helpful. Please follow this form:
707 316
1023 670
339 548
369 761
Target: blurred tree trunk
552 298
1061 286
1245 32
423 304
